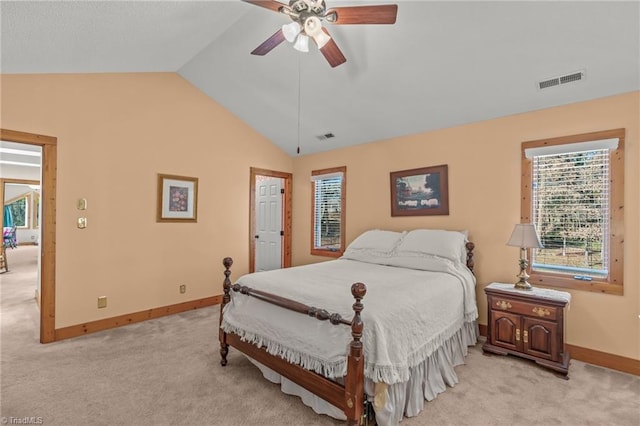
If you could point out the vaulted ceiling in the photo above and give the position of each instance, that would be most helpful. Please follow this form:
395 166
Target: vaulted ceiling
441 64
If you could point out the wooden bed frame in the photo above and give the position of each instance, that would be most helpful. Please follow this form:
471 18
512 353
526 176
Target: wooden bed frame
350 397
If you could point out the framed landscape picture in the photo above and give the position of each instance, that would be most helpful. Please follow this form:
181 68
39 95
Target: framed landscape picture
177 199
420 192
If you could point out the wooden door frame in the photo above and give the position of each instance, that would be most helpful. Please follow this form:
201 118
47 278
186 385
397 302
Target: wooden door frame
286 214
48 226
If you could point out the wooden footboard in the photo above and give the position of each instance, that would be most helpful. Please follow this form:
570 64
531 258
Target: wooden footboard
349 397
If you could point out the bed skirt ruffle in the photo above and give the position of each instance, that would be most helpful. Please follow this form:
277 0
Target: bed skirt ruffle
393 402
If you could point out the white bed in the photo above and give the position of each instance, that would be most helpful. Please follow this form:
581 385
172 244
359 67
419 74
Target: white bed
419 318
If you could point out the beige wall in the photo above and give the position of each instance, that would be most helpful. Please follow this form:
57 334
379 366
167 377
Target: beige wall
115 133
484 197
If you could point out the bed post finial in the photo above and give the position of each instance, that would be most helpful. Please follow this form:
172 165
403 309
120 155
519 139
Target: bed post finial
354 385
226 298
358 290
470 246
226 284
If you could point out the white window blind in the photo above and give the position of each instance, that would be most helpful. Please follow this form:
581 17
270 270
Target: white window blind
327 214
572 147
571 213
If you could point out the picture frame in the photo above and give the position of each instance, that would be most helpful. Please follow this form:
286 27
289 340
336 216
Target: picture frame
177 198
420 192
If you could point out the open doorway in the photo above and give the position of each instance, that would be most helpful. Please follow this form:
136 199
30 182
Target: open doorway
21 215
270 220
46 235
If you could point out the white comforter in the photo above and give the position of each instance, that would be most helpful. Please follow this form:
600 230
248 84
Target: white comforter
407 315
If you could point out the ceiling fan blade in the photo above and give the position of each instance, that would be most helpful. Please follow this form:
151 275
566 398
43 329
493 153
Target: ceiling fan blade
379 14
267 4
269 44
332 52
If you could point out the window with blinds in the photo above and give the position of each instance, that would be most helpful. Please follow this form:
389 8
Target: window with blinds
573 192
571 213
19 208
328 211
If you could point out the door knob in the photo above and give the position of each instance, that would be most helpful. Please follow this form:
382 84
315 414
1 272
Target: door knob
256 236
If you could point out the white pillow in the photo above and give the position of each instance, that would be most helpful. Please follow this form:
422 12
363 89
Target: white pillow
434 242
425 262
373 246
377 239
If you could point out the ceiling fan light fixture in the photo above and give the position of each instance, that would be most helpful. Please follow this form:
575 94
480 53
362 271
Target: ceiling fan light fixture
302 43
291 31
308 17
313 28
321 39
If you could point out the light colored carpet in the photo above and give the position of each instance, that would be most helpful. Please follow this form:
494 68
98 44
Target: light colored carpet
167 372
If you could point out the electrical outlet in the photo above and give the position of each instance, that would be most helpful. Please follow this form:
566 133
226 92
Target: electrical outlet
102 302
183 288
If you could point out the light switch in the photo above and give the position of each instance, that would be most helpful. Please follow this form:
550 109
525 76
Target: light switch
82 203
82 222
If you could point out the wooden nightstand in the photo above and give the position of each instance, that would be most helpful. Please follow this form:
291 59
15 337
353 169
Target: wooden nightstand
528 324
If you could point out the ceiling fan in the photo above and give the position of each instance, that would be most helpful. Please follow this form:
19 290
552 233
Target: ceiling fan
307 17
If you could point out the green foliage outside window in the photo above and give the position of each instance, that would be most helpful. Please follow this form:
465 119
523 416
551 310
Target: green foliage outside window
19 211
571 210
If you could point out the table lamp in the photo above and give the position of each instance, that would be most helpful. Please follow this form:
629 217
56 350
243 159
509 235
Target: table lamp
524 235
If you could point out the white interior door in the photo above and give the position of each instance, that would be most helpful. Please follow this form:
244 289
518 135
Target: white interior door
268 238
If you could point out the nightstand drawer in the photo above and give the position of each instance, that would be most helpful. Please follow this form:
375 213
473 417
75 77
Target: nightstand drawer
523 308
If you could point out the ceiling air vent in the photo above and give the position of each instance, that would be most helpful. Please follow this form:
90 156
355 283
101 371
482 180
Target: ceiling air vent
325 136
563 79
576 76
548 83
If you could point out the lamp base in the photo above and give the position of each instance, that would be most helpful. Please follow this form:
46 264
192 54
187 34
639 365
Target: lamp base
523 285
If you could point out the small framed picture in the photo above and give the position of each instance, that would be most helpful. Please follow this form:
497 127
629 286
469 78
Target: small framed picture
177 199
420 192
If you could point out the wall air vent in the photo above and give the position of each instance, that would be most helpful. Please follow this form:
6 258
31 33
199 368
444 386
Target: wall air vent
325 136
563 79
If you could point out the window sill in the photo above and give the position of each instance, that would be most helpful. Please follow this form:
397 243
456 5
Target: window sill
326 252
597 286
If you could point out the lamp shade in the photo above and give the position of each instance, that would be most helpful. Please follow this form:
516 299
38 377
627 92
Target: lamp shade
524 235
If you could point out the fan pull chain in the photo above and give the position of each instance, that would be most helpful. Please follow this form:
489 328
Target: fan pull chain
298 150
